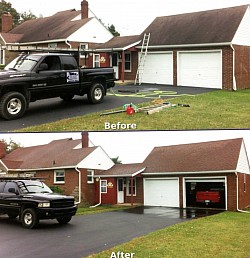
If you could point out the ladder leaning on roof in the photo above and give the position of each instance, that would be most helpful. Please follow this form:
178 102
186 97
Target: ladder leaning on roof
142 58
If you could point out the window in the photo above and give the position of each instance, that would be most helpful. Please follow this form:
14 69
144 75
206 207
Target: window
10 185
90 176
104 186
59 176
129 187
2 184
69 63
83 47
128 62
96 60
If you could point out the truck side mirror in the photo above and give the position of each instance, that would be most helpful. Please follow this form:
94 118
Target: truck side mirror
13 190
43 67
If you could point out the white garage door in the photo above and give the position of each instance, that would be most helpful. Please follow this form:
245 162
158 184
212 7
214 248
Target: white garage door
158 68
161 192
200 69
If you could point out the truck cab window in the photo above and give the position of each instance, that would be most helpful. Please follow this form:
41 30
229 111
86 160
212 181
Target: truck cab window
53 63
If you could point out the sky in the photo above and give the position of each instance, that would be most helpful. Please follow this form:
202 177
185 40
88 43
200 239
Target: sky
130 17
132 146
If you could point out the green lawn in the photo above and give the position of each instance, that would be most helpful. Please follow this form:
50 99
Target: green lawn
214 110
223 235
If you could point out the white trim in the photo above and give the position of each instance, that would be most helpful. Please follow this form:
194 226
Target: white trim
123 175
190 45
191 173
59 171
103 180
202 179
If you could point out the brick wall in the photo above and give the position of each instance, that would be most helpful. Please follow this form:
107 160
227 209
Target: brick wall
242 66
244 190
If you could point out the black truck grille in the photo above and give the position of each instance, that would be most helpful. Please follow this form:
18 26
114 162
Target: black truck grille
62 203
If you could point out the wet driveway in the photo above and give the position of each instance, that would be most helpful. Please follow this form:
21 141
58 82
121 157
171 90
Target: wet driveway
88 234
189 213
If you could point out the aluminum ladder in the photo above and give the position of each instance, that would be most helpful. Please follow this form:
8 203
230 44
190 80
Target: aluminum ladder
142 58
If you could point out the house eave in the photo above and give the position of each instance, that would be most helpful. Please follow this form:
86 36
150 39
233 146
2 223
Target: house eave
188 172
40 169
189 45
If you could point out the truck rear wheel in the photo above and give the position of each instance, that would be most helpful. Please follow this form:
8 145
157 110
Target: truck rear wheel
29 218
96 93
12 105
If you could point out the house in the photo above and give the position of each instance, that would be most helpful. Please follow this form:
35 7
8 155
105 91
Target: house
213 174
203 49
69 31
68 164
173 176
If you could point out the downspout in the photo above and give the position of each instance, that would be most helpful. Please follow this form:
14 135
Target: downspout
100 196
67 43
79 186
234 79
237 194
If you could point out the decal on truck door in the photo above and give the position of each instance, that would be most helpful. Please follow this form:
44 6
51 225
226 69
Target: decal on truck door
72 77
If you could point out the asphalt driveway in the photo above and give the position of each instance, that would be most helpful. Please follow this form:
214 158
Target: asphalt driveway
87 234
50 110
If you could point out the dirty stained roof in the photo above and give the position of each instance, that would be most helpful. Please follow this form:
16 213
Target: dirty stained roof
213 26
58 26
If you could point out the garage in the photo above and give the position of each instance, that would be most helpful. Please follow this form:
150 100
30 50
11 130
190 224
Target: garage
161 192
200 69
205 193
158 68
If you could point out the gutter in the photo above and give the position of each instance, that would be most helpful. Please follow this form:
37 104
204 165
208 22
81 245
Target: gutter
190 45
79 186
234 79
67 43
189 173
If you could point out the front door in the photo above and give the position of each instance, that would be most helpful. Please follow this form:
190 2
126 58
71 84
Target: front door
120 191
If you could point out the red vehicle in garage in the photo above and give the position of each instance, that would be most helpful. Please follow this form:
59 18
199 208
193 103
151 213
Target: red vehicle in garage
208 197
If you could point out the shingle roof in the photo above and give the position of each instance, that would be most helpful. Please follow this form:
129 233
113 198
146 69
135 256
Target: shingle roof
213 26
122 170
58 26
197 157
59 153
11 37
120 42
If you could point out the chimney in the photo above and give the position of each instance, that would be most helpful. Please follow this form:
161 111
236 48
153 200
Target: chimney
6 22
85 9
85 139
2 149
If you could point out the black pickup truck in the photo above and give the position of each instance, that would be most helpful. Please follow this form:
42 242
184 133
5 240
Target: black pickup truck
41 76
32 200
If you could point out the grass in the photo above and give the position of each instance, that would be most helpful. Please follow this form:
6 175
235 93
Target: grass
99 209
214 110
223 235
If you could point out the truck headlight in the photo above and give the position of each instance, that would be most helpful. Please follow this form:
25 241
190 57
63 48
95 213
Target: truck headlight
44 205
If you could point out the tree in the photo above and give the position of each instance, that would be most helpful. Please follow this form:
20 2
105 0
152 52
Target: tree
112 29
116 160
27 16
11 145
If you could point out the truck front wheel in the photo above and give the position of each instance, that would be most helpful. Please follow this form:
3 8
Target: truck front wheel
96 93
29 218
12 105
64 220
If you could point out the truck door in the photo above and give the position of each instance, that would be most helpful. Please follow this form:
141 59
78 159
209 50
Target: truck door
51 77
9 198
